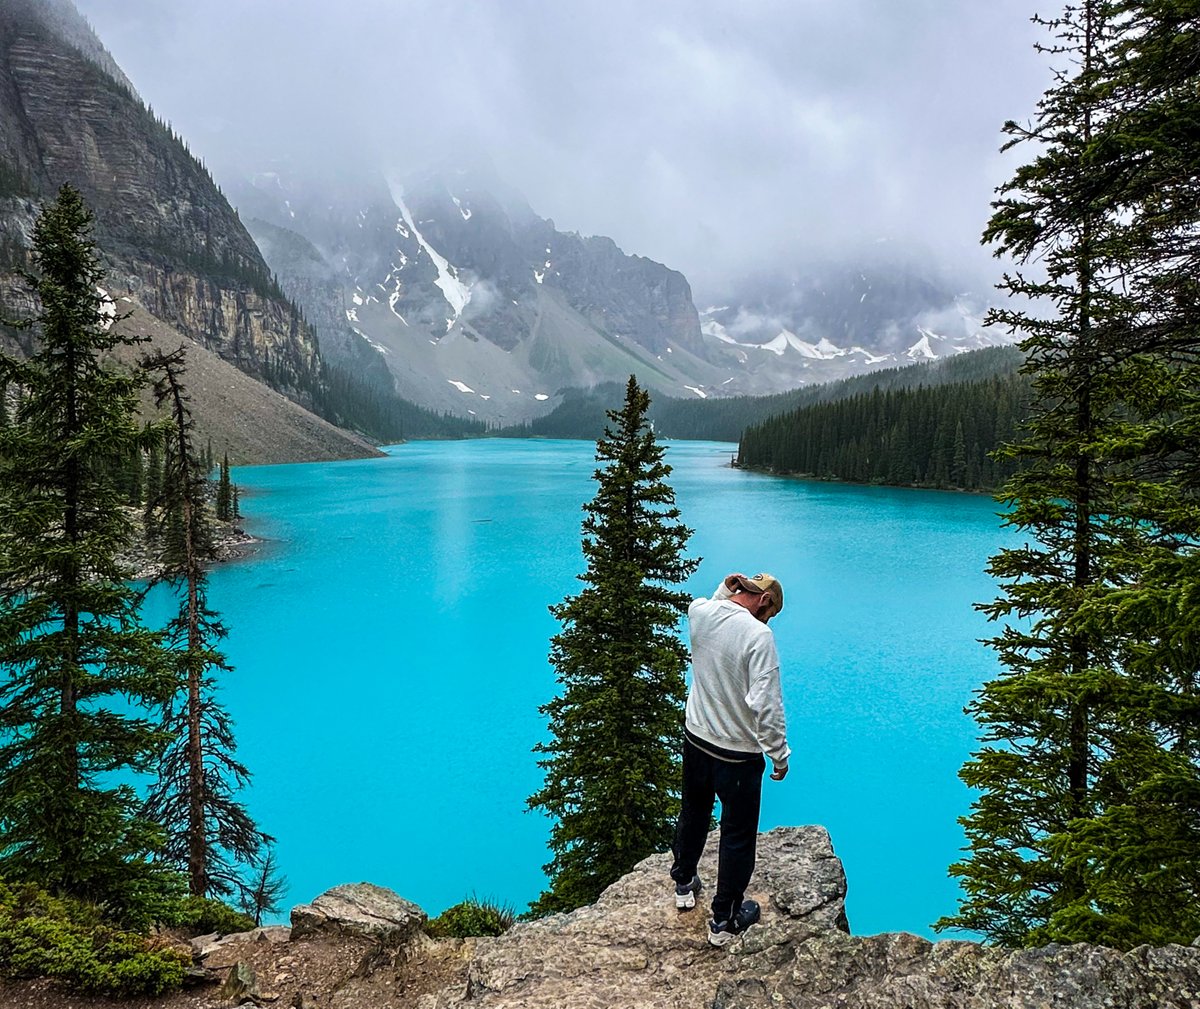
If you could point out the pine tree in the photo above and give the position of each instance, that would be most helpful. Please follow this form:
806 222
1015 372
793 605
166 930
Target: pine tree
224 503
208 832
77 663
612 763
1088 778
264 892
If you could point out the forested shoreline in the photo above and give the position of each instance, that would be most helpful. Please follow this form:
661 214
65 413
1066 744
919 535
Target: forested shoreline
942 437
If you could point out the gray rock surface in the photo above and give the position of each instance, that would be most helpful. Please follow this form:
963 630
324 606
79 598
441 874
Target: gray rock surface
361 909
360 947
633 948
898 969
240 986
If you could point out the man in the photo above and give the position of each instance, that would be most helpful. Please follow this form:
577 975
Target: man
734 716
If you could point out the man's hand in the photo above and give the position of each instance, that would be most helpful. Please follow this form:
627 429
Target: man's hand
780 772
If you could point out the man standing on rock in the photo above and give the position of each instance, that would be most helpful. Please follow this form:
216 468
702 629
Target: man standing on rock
734 716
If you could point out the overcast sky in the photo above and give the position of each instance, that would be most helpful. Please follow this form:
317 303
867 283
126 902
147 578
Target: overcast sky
717 136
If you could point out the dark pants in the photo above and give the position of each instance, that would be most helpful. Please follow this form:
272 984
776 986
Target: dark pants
739 787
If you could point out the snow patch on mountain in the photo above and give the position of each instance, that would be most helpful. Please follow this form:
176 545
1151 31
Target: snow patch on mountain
107 310
921 348
456 293
460 386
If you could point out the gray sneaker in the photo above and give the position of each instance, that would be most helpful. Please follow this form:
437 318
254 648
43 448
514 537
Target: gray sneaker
722 932
685 894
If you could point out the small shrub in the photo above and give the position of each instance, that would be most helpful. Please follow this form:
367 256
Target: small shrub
471 917
202 915
45 936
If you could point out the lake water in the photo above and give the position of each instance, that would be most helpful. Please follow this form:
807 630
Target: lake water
390 642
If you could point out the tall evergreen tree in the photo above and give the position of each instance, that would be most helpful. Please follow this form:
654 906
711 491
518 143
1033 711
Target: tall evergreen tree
224 501
612 763
1087 776
208 831
72 651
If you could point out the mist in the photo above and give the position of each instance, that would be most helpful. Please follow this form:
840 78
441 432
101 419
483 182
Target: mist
723 140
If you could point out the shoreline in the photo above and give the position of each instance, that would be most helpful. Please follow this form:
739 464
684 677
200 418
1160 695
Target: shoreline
813 478
232 544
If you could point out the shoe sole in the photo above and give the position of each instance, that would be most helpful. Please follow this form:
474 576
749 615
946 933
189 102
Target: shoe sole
719 939
685 901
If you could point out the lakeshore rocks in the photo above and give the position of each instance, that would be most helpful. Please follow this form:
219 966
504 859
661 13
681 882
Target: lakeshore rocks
359 909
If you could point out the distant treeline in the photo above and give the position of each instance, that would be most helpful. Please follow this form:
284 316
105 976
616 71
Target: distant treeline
382 414
931 436
582 412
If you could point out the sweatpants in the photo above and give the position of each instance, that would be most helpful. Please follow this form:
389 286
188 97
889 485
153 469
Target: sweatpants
738 784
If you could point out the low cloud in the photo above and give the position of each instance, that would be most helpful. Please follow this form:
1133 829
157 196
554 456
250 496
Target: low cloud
720 139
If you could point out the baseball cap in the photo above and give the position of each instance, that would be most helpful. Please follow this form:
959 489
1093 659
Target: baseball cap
763 583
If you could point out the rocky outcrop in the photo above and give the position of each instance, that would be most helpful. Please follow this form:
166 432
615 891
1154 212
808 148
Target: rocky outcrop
904 970
633 948
359 909
361 947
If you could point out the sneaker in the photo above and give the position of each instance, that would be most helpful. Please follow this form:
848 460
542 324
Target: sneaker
722 932
685 894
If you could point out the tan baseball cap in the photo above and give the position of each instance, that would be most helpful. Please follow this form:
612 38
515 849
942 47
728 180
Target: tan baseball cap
763 583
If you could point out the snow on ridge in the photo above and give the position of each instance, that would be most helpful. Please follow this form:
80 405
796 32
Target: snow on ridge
699 392
870 358
921 348
456 293
392 299
714 328
376 346
541 396
466 213
460 386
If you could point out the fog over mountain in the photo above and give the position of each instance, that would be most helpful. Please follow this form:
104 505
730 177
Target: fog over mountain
722 140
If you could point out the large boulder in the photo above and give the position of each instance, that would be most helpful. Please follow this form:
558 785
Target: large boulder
359 909
633 948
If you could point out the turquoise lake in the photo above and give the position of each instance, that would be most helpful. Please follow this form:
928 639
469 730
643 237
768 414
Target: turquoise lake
390 637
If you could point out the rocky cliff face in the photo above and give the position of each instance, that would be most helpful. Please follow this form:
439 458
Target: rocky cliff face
169 237
361 946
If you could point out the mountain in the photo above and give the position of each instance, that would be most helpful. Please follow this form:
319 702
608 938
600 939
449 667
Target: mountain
475 303
170 241
871 308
